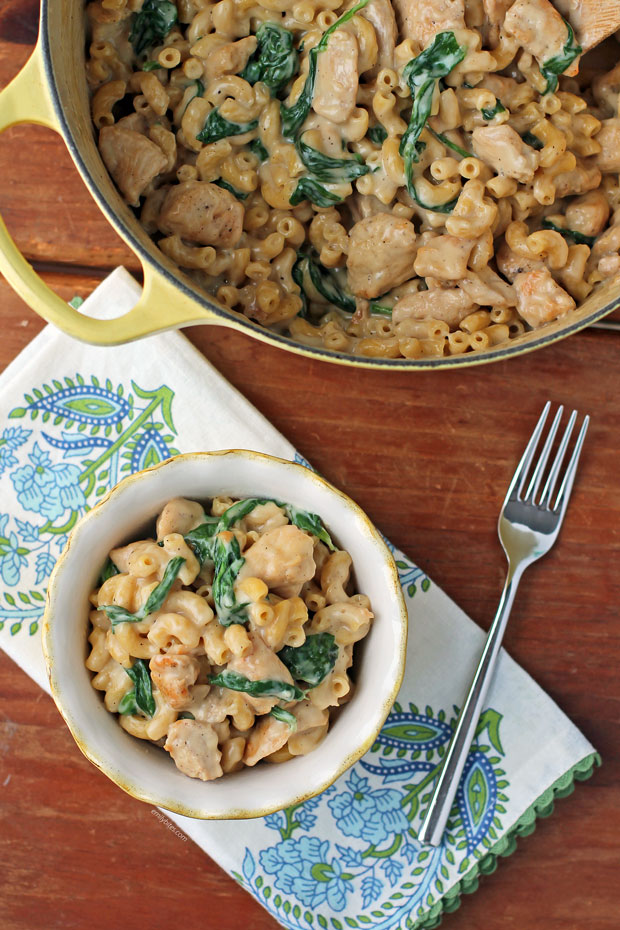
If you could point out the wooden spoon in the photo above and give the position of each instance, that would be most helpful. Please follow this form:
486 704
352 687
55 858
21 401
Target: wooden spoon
592 20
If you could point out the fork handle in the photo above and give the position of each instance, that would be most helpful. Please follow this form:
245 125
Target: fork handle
436 816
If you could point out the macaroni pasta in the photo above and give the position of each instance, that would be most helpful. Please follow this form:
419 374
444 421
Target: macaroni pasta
229 638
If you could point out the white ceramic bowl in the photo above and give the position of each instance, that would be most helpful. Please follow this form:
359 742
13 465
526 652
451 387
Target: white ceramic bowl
143 769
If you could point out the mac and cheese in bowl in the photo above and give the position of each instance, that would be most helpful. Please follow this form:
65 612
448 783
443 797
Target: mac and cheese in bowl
245 637
388 180
227 640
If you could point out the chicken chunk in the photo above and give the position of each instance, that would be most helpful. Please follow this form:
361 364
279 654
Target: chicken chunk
608 137
173 675
380 14
312 725
588 214
421 20
193 746
504 150
267 737
510 264
265 517
539 28
487 289
444 257
579 180
539 298
364 205
132 160
449 305
202 212
179 516
230 58
282 558
335 89
606 90
381 254
258 664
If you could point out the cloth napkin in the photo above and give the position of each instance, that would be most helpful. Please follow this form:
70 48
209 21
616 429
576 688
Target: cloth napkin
74 420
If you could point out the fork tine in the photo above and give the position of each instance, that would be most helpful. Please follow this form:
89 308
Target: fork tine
566 487
557 464
541 464
522 468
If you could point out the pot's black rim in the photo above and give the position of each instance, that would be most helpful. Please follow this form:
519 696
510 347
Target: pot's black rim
468 359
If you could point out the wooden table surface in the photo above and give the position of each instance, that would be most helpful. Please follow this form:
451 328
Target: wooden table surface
428 456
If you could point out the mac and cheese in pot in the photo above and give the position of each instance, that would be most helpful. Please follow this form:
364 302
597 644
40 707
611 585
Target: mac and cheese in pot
387 179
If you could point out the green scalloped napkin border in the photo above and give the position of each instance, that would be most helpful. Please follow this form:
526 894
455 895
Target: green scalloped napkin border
542 807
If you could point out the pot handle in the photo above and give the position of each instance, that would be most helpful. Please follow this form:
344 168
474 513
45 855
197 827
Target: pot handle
162 305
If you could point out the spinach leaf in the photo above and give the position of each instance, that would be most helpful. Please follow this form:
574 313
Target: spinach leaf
308 189
313 660
154 601
285 716
108 571
533 141
293 117
141 695
128 703
553 67
151 66
380 309
331 170
228 563
218 127
200 540
447 142
490 112
240 195
185 715
326 281
275 60
264 687
298 272
310 522
578 237
377 134
421 74
152 24
240 510
257 148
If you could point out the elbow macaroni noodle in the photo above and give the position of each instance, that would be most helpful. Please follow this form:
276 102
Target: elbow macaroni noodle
155 663
497 156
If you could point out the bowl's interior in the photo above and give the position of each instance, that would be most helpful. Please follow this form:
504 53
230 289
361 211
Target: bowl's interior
147 771
63 35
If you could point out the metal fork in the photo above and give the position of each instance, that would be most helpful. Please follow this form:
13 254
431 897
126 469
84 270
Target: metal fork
528 527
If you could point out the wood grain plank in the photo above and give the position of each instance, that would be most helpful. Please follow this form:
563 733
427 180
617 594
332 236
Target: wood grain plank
428 456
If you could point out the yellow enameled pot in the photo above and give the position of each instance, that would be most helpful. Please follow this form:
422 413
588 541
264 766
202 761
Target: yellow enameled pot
51 91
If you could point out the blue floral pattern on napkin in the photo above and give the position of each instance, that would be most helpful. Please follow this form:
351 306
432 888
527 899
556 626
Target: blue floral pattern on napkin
371 870
95 433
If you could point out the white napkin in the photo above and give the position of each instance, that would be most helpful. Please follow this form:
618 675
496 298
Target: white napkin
74 419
